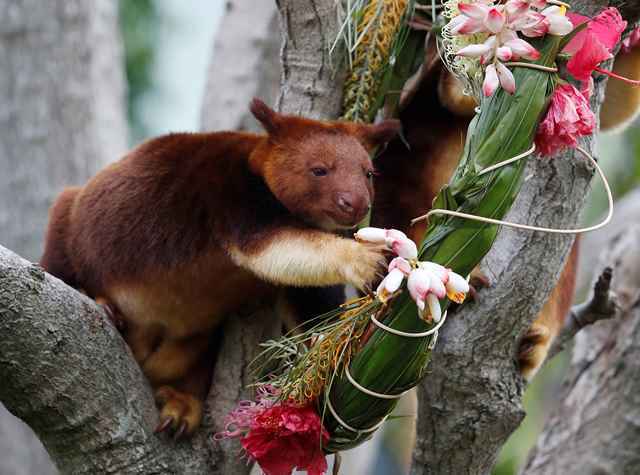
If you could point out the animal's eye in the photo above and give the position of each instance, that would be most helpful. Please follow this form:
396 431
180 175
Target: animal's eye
370 174
319 171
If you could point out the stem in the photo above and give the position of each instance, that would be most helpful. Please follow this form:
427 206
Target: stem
617 76
539 67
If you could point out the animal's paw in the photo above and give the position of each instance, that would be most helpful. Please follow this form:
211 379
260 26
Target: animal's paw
477 281
532 349
180 412
366 263
113 313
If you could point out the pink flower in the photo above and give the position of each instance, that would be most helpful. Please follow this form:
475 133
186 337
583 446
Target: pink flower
556 21
498 75
286 437
240 420
400 263
593 45
390 284
279 436
533 25
426 288
569 117
491 81
522 49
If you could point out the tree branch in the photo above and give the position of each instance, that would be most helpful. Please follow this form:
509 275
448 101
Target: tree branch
603 305
67 373
311 83
594 428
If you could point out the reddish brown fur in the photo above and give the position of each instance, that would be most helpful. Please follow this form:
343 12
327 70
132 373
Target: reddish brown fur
435 124
187 227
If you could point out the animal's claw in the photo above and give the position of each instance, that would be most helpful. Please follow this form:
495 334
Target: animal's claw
164 425
181 430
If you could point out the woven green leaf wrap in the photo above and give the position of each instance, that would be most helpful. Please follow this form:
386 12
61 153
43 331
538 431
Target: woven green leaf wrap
391 364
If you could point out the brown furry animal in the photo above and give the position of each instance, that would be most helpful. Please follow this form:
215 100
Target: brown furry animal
190 227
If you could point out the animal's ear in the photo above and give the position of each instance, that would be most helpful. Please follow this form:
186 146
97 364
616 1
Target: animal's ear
373 136
269 118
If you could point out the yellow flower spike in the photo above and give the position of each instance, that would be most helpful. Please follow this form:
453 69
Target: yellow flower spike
376 31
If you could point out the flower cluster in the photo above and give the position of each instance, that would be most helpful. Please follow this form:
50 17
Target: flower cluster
501 23
278 435
427 282
569 115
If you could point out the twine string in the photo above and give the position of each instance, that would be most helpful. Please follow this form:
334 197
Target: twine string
527 227
386 328
369 391
349 427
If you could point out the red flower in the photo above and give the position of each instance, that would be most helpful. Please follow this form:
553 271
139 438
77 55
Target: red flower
285 437
593 45
569 117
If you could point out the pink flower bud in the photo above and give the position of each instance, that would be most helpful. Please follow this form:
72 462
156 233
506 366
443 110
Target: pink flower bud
370 234
457 287
418 284
439 271
405 248
523 49
474 51
494 20
507 81
435 312
504 53
491 81
516 8
477 11
558 22
402 264
390 284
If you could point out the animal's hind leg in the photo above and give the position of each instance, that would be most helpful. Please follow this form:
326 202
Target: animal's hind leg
181 372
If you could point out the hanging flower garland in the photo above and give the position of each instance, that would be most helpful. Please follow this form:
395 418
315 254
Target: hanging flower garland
329 388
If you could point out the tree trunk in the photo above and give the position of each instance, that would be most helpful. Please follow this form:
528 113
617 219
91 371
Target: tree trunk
62 117
245 64
595 426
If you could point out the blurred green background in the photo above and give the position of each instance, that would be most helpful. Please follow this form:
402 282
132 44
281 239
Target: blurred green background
167 49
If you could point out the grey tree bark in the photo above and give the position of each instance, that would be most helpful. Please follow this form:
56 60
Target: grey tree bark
62 93
61 96
245 64
594 428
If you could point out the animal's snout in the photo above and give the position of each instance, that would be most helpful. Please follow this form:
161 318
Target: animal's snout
352 205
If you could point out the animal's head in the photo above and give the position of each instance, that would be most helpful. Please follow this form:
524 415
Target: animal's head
321 171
